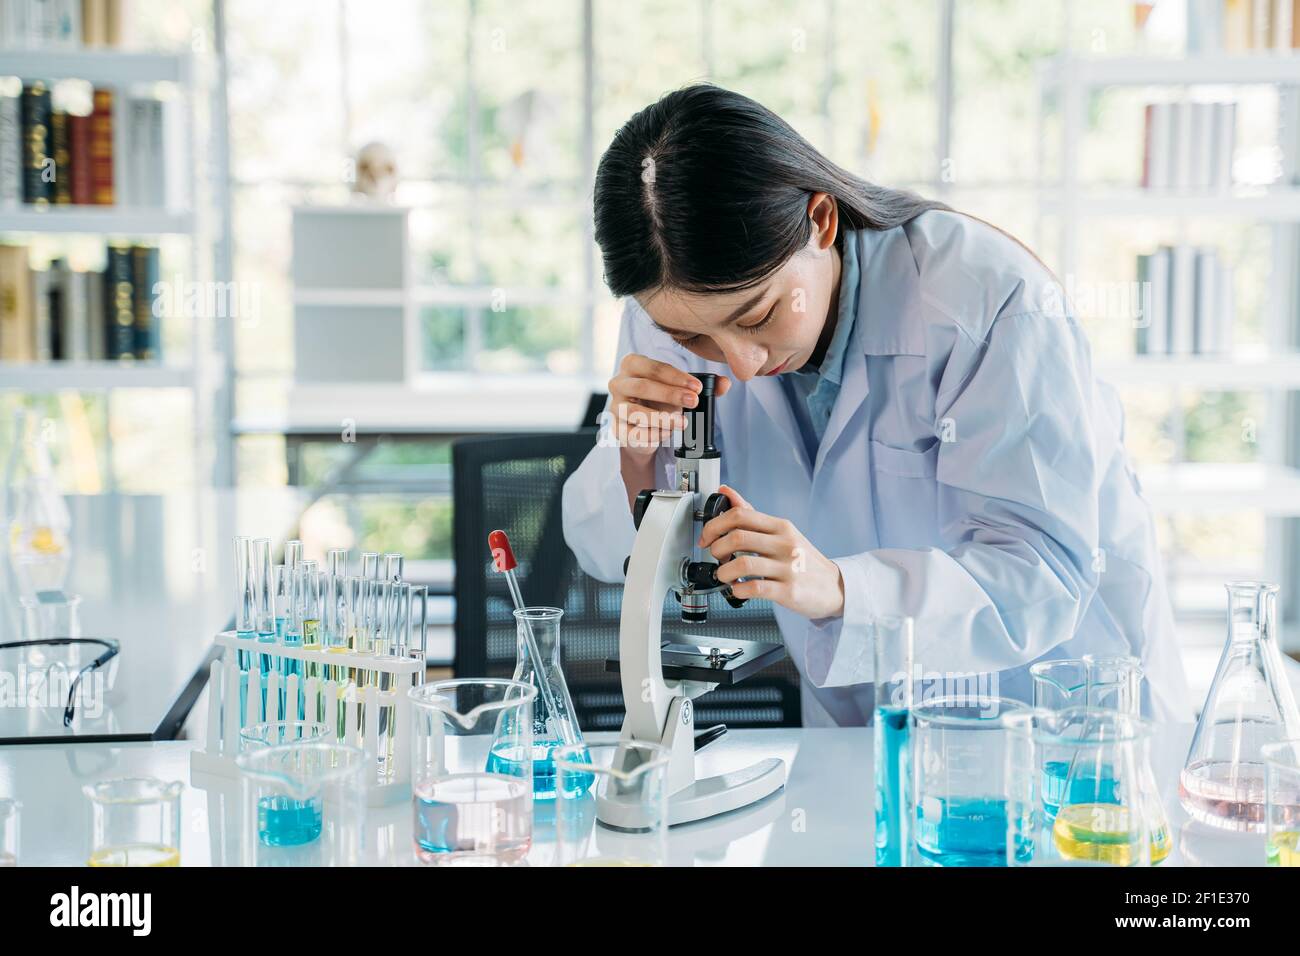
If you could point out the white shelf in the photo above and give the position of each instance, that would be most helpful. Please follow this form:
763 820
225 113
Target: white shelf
1202 70
106 220
1197 487
1265 205
104 67
1203 371
91 376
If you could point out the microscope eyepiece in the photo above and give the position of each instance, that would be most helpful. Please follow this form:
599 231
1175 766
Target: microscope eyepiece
697 437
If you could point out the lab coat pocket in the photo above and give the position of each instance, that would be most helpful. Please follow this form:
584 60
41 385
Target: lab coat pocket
905 495
903 462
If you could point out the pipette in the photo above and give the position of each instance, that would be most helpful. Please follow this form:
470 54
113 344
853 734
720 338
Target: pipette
503 559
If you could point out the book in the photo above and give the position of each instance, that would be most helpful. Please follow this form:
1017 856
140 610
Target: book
119 314
11 152
42 331
1143 325
1161 140
144 275
1182 145
1225 145
1182 300
1236 25
79 149
96 329
1157 337
100 149
94 23
1224 311
75 318
16 343
1202 144
56 287
1205 329
36 143
62 155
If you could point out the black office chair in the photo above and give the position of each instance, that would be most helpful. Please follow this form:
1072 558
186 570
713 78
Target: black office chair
514 483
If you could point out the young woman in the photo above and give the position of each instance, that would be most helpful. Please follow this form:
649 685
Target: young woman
908 420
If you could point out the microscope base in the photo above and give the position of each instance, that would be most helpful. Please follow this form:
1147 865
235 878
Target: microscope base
727 791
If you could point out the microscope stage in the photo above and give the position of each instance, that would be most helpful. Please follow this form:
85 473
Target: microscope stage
688 657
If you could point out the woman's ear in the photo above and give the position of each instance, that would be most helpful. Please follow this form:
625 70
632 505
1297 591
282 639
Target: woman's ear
824 212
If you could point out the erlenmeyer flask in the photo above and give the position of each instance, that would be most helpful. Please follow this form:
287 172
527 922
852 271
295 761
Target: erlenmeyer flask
554 723
37 518
1249 705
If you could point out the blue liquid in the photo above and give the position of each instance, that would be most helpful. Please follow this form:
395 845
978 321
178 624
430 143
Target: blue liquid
504 759
892 763
282 821
290 666
968 832
1086 787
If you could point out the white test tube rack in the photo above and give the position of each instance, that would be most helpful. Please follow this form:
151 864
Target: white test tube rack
392 779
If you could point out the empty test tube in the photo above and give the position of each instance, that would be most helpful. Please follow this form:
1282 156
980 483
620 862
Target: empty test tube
392 567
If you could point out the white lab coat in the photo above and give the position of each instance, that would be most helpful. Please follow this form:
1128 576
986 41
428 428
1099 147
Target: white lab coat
972 476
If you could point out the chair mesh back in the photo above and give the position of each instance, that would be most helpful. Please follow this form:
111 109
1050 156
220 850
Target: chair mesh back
514 483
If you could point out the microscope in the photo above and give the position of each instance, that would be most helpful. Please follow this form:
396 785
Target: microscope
660 678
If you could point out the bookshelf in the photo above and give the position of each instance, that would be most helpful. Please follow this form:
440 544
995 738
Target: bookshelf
196 370
1269 486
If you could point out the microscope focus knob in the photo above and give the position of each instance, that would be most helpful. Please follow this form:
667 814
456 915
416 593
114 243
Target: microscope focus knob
714 505
642 503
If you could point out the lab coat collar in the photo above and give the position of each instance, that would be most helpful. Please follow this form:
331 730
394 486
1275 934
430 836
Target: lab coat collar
889 320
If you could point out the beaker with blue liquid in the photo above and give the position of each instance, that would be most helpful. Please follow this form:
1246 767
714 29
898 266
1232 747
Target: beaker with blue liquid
554 722
893 659
959 779
303 802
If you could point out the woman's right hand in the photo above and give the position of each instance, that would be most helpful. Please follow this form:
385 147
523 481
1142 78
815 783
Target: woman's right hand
646 400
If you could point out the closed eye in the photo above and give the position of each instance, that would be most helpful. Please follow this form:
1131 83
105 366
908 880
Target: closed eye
761 323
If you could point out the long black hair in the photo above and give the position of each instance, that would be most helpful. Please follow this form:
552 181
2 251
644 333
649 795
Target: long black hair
707 191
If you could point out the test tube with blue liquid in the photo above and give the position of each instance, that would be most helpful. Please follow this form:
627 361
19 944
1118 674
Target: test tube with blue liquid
245 614
893 657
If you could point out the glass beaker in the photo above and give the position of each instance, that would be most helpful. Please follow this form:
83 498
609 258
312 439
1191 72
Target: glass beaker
1114 683
892 649
10 814
135 821
554 723
1282 786
277 732
630 781
1250 704
47 616
303 804
1080 790
465 813
959 780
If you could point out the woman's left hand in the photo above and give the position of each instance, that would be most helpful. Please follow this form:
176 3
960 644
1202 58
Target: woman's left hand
793 573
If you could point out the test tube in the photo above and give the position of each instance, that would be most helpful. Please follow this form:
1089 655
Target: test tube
264 611
336 561
282 601
244 603
418 641
893 655
292 553
370 564
392 567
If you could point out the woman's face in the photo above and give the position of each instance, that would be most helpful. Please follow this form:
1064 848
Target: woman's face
770 328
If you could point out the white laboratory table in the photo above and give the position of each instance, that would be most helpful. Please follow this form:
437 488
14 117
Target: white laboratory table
824 817
156 573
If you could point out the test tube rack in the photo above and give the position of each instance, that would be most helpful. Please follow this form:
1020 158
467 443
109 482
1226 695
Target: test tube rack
392 763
